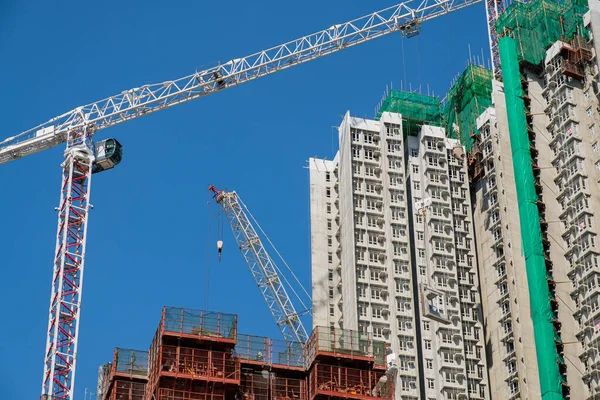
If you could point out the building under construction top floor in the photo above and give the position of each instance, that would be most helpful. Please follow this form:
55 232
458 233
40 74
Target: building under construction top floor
199 355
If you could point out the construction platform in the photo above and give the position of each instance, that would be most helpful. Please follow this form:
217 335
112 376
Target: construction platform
199 355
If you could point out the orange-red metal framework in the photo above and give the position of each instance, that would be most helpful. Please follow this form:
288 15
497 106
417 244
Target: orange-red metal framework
198 355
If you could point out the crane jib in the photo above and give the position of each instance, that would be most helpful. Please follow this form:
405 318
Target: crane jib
406 18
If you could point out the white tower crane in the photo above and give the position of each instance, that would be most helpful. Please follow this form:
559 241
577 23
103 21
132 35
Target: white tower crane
263 268
77 128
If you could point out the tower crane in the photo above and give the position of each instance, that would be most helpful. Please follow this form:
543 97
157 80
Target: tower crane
82 157
263 268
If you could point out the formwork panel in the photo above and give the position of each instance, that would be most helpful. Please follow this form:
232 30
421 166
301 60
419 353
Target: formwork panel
348 383
252 349
183 362
277 353
255 387
343 343
287 355
288 389
181 389
128 390
130 363
199 324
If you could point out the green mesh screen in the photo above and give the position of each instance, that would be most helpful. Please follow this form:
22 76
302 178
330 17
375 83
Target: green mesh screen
467 99
416 109
539 23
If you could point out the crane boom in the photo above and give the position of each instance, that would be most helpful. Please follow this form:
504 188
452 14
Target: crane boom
262 266
133 103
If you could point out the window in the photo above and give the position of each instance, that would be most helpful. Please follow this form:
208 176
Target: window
328 208
420 235
430 383
360 273
330 275
331 310
376 294
362 310
592 129
328 192
330 293
450 377
448 357
416 185
330 258
427 344
589 111
414 152
595 147
328 224
446 337
377 331
429 364
329 241
327 177
362 291
415 169
369 154
360 255
514 387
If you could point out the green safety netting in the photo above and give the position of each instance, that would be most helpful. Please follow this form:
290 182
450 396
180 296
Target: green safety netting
467 99
539 23
416 109
529 217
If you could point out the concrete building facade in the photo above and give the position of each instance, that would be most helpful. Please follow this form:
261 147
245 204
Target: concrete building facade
562 114
373 277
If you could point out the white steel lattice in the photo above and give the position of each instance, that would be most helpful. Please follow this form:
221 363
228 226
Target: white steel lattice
147 99
67 278
262 267
493 9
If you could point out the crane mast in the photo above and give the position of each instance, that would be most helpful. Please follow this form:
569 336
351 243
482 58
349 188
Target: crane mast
262 267
65 299
77 128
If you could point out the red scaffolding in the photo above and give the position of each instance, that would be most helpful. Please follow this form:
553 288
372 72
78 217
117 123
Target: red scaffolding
198 355
126 376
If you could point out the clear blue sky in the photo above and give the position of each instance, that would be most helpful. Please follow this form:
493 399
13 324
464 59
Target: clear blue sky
150 229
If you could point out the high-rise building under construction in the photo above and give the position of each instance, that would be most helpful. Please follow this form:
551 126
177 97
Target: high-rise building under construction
532 148
372 219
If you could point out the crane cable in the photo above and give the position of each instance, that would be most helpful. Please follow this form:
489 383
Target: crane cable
207 267
307 309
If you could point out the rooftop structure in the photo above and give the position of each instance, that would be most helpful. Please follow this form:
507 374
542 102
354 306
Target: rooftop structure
199 355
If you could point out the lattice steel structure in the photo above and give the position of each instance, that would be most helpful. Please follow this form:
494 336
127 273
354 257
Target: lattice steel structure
262 266
65 299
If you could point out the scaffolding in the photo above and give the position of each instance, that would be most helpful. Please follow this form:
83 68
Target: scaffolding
335 382
125 377
467 99
536 25
193 358
416 110
200 324
264 351
337 342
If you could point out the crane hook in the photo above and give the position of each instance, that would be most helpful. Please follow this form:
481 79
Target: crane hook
220 248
